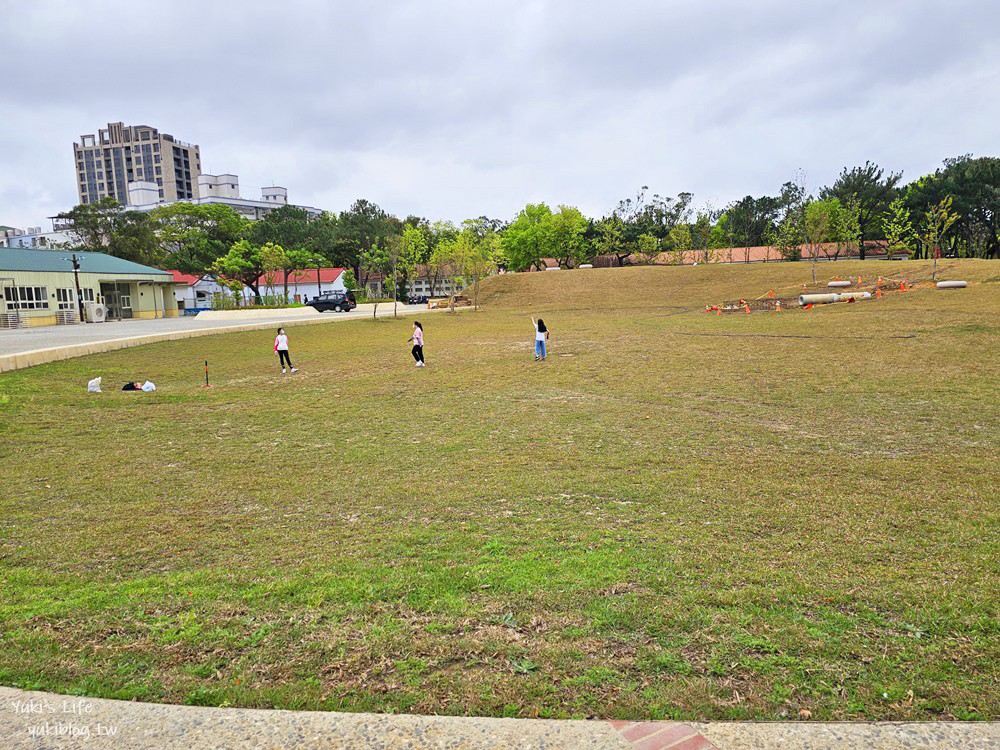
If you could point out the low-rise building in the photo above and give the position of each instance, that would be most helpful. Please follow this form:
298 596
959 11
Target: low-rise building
303 285
220 188
39 287
33 237
194 292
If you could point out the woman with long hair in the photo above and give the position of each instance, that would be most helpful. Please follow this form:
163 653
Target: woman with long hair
418 343
541 336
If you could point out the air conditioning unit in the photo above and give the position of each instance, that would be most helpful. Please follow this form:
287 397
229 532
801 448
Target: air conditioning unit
96 312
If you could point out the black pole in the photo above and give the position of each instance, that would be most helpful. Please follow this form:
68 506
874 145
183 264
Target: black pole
206 372
76 281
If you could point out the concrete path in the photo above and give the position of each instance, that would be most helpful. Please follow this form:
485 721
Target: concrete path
26 347
43 720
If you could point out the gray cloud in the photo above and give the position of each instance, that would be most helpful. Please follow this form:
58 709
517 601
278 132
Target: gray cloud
451 109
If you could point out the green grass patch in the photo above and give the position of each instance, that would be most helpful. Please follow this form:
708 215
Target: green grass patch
679 515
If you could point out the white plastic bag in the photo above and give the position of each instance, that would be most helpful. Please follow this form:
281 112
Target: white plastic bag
148 386
94 386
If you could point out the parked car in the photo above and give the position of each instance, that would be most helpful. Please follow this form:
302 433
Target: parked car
336 301
417 299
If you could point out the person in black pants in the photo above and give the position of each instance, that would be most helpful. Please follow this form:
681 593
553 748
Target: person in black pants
281 348
418 343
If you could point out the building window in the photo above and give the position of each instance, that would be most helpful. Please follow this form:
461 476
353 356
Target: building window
26 297
66 299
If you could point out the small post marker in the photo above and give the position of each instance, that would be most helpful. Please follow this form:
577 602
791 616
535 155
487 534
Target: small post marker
206 376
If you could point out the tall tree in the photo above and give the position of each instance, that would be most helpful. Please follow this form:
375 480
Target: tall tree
873 190
243 264
564 236
108 227
974 184
525 240
193 236
610 238
898 225
358 230
750 222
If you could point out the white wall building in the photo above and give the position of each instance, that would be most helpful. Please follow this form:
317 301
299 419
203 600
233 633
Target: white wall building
34 237
218 188
194 292
303 285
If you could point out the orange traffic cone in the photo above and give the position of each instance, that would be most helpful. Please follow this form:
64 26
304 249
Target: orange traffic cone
809 306
902 286
878 293
859 279
746 309
718 310
770 294
777 306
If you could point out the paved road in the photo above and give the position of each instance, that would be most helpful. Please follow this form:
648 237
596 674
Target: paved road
21 340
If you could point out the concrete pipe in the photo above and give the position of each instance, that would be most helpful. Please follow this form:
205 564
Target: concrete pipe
952 284
839 283
844 296
817 299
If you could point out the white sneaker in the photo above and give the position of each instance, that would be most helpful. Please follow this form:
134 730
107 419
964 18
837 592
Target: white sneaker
295 369
282 370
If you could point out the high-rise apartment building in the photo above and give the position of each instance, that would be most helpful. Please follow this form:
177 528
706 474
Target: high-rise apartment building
107 162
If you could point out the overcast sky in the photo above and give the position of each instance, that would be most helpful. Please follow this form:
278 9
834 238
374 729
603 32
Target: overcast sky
457 109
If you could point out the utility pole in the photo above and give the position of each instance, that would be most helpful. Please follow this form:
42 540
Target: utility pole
76 280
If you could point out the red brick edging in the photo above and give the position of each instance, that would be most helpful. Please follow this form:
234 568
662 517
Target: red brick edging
661 735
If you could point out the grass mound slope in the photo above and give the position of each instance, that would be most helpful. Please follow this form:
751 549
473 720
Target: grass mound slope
696 286
678 515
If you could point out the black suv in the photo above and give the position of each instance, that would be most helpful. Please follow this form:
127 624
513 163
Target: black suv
336 301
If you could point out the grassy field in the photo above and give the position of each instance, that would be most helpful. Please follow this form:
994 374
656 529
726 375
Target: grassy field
678 515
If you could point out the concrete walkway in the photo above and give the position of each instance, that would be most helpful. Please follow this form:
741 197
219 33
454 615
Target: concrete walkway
26 347
43 720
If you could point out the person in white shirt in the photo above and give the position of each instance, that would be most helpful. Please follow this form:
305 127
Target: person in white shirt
281 349
541 336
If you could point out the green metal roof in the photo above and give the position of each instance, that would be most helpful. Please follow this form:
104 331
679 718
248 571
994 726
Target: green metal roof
25 259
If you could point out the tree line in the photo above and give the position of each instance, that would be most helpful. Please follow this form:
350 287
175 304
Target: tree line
954 211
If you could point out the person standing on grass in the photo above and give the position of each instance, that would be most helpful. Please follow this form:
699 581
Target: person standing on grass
541 335
418 343
281 349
